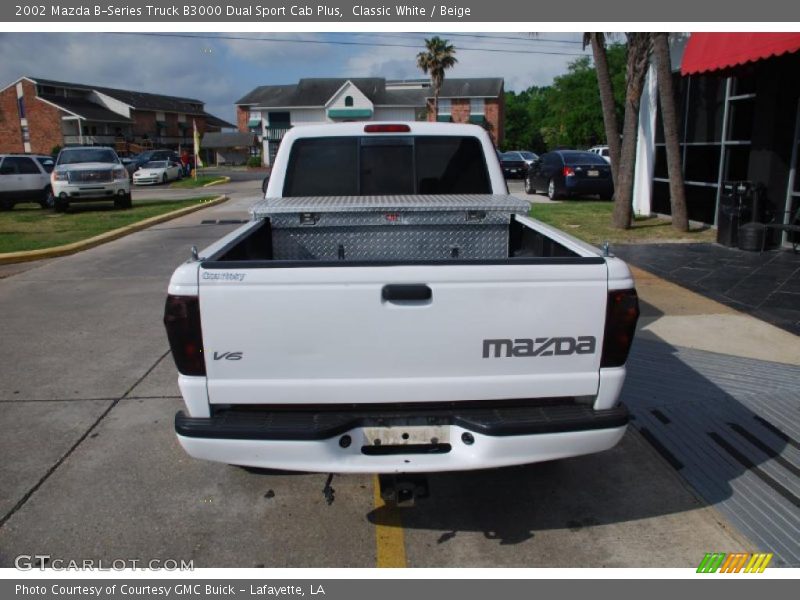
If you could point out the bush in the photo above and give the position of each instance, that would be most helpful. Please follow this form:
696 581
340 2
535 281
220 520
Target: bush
254 161
56 149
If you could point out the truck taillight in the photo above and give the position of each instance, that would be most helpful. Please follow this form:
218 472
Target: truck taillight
622 312
182 320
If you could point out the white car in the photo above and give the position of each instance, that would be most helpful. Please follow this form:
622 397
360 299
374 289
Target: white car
157 171
89 174
601 151
25 178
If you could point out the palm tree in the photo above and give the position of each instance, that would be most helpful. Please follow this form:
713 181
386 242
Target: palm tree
669 121
438 56
598 44
639 45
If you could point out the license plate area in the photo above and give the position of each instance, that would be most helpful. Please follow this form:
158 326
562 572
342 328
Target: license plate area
406 435
593 173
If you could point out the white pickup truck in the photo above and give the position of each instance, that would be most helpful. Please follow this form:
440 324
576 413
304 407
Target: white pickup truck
391 309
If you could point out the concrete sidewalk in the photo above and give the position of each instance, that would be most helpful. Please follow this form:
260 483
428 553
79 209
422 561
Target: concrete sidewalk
675 315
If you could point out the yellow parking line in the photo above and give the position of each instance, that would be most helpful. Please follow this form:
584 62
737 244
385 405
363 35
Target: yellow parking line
389 538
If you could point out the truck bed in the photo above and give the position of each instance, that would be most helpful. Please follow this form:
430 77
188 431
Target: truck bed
446 229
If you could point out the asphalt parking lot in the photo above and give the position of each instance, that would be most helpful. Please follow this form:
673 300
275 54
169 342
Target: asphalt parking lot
92 469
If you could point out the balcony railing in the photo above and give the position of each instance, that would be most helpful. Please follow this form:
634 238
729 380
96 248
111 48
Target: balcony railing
130 143
275 134
89 140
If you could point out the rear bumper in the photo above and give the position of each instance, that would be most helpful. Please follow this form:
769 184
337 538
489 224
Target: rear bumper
588 186
311 441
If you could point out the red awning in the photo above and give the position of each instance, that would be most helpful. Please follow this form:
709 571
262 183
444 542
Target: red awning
713 51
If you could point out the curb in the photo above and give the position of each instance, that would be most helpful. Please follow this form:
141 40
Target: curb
28 255
224 179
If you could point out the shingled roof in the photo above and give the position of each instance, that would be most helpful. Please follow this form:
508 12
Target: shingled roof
317 91
135 99
86 109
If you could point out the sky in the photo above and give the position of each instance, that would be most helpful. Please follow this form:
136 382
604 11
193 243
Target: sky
220 68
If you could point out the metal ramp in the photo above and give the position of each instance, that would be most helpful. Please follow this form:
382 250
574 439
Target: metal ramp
730 426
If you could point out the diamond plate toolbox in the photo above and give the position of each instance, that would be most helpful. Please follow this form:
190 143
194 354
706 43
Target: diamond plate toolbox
389 228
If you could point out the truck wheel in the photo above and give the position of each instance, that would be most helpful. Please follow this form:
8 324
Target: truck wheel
528 187
47 201
122 202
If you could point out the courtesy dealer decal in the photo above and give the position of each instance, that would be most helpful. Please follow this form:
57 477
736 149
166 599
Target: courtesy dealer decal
169 590
224 276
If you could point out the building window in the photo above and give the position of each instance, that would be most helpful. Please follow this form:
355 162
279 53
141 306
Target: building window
21 107
348 101
445 106
477 106
713 149
26 134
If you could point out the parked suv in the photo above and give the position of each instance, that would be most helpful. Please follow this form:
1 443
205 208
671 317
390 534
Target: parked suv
88 174
601 151
25 178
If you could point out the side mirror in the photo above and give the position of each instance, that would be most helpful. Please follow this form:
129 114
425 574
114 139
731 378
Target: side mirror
264 185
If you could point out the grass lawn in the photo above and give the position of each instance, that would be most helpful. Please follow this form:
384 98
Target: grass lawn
591 222
29 228
189 182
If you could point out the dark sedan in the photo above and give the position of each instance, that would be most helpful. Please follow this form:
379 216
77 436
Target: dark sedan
513 165
567 173
154 155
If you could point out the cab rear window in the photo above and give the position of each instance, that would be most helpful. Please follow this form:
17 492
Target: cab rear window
386 165
583 158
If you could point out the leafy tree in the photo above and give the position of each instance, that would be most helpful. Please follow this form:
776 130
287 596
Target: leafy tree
569 112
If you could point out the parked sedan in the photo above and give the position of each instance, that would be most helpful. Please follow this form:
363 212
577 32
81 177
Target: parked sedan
154 155
570 173
513 165
528 157
157 171
130 165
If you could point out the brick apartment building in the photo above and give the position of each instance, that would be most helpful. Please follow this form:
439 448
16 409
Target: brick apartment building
269 111
38 114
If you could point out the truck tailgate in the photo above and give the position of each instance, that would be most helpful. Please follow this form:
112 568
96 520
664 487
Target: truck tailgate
271 336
